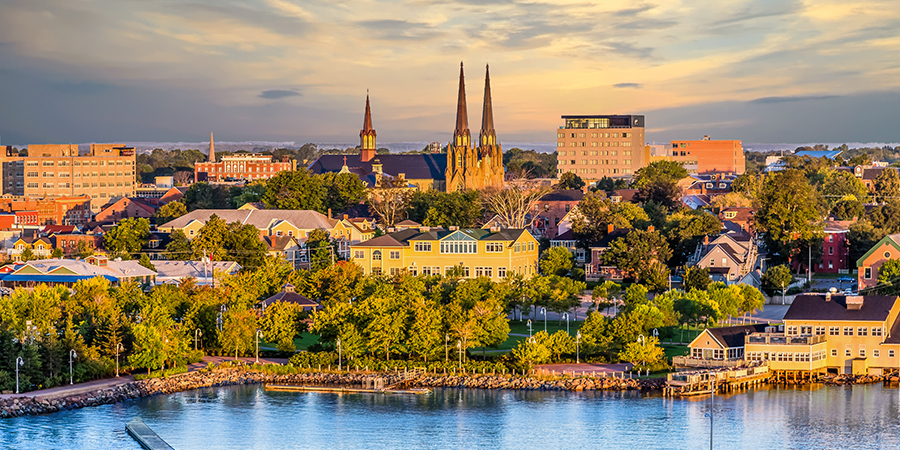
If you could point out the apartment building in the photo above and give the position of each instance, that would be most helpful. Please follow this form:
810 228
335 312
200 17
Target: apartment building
707 156
474 252
58 170
832 333
241 166
600 146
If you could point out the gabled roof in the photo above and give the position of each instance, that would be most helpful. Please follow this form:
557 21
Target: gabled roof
412 166
814 307
563 195
569 235
731 337
59 229
195 269
891 239
279 242
403 237
261 219
626 194
408 223
290 297
387 240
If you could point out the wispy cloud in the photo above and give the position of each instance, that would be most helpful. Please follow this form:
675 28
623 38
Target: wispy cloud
275 94
627 86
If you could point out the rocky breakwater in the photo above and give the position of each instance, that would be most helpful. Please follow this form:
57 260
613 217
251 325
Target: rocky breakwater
841 380
547 384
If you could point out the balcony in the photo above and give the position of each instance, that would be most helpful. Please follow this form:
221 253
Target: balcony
782 339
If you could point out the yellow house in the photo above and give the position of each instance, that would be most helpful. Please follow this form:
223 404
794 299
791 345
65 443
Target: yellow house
40 247
493 253
834 333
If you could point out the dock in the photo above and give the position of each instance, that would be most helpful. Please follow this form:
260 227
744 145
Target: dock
684 384
343 390
145 436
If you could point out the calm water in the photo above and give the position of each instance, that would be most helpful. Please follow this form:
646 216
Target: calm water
249 417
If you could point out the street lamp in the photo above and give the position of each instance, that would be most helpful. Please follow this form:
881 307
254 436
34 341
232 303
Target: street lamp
340 361
258 335
119 348
544 312
197 334
566 316
446 347
459 347
782 292
72 354
19 362
529 327
577 342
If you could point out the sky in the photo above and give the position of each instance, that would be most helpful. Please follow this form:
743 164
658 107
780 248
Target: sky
291 70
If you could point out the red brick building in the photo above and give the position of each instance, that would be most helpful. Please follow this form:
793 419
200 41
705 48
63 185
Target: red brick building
241 166
123 209
551 209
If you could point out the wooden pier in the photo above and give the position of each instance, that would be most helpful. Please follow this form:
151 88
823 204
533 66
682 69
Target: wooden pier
682 384
145 436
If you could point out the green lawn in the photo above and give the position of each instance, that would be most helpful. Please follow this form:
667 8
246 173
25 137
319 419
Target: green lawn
521 327
675 350
306 340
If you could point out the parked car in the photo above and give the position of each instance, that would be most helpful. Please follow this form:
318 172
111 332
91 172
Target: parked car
845 279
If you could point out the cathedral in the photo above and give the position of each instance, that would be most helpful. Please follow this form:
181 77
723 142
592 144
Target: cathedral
466 165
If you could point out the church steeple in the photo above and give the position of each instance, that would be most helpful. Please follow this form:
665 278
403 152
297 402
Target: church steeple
367 136
488 136
212 148
461 135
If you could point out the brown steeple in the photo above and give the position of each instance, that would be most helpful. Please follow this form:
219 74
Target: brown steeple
367 136
461 135
487 136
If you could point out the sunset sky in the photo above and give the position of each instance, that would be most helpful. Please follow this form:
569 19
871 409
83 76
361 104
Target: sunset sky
149 70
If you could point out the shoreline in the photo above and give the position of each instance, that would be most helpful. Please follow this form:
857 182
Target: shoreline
26 405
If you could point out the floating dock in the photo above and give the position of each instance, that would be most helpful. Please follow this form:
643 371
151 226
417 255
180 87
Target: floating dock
684 384
342 390
145 436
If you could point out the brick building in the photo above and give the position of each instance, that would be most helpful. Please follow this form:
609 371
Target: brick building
551 209
241 166
706 156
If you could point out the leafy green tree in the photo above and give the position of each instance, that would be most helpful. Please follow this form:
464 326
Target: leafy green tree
748 183
282 323
210 239
644 354
556 261
179 247
665 193
889 272
344 190
753 300
83 249
243 245
156 338
388 325
559 343
662 171
128 237
596 214
636 253
145 262
636 294
776 279
57 253
604 295
203 195
887 184
532 351
169 212
295 190
696 278
788 213
426 331
445 209
841 186
27 255
685 229
249 193
239 330
595 337
570 180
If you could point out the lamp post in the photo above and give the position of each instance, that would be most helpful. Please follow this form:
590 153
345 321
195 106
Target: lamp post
72 354
782 292
544 312
19 362
340 361
258 335
529 327
459 347
566 316
643 342
446 347
119 348
197 334
577 342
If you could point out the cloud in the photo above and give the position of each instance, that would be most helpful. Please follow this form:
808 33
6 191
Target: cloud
275 94
402 30
627 85
799 98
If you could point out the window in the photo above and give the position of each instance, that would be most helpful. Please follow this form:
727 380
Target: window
876 331
833 331
422 246
820 330
395 271
834 352
494 247
531 246
862 331
395 254
830 250
359 254
805 331
791 330
848 352
876 353
887 255
517 248
501 272
376 255
376 271
890 353
848 331
867 273
459 247
862 351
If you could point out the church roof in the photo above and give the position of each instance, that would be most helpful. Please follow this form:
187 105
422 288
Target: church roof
414 166
487 115
462 116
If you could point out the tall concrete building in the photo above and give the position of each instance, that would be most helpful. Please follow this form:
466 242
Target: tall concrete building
58 170
600 146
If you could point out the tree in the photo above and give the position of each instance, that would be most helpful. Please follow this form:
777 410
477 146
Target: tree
249 193
559 343
685 229
842 186
129 236
179 247
595 214
388 325
343 190
210 240
27 255
636 252
425 332
57 253
889 272
513 204
282 323
532 351
239 330
659 171
887 184
569 180
389 204
662 192
776 279
83 249
732 199
696 278
145 262
297 189
169 212
556 261
445 209
644 354
243 245
609 291
788 213
203 195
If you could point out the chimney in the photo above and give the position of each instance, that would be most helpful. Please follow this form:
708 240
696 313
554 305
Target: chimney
329 213
346 216
651 228
706 240
495 229
610 228
424 229
854 302
454 228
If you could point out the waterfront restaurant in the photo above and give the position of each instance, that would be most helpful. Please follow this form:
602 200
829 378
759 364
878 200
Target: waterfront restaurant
718 347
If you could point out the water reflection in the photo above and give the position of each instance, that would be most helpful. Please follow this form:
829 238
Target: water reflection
249 417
